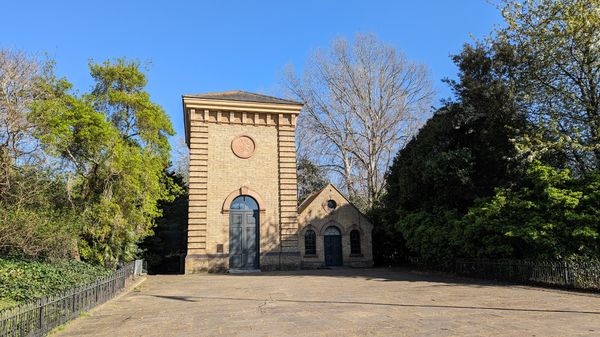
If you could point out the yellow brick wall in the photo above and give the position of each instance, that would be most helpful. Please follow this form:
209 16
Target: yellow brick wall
216 172
227 173
346 217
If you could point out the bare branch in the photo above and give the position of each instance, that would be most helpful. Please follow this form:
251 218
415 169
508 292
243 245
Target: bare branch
362 102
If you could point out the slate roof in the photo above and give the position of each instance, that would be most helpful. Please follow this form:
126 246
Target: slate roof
245 96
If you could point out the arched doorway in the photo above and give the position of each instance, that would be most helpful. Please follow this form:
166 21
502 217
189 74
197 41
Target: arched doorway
333 246
243 233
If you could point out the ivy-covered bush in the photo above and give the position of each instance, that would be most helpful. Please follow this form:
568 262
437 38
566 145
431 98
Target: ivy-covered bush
23 279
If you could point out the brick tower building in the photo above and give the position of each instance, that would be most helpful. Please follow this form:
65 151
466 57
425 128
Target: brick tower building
242 190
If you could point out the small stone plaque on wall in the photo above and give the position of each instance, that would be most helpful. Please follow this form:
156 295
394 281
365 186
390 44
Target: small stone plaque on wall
243 146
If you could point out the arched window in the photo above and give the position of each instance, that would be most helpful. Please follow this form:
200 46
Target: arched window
310 242
244 202
355 242
332 230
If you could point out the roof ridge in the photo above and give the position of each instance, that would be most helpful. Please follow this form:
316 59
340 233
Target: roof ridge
266 96
243 95
313 196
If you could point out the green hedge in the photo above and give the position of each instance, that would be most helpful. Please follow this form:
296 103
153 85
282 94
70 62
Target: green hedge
22 279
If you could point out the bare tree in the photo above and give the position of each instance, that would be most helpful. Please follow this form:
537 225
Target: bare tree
18 146
363 102
30 222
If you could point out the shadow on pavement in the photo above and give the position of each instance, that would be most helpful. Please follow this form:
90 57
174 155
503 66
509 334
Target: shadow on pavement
199 298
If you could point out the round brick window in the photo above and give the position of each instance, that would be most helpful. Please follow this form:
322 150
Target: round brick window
331 204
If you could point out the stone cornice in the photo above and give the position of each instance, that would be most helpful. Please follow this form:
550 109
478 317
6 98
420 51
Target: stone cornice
237 112
227 105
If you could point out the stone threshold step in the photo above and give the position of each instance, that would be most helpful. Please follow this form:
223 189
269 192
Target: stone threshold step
243 271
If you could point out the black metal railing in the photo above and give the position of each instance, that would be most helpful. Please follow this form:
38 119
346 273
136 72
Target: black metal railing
575 275
39 317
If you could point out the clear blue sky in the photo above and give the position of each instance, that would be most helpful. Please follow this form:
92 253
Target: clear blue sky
202 46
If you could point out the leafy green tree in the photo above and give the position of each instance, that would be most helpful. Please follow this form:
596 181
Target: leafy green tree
557 43
113 143
551 216
510 168
431 236
35 217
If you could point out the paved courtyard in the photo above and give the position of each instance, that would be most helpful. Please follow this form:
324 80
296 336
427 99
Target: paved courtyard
343 302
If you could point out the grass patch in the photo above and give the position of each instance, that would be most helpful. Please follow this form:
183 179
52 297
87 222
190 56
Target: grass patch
22 280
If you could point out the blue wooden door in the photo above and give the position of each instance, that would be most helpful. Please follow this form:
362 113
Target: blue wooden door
333 250
243 239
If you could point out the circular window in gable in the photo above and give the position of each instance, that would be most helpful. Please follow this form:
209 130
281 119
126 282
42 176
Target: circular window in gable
331 204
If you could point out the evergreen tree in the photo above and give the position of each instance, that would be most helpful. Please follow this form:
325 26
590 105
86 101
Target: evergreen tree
462 153
466 149
310 178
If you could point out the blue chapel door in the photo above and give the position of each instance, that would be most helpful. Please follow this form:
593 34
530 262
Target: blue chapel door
333 247
243 234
